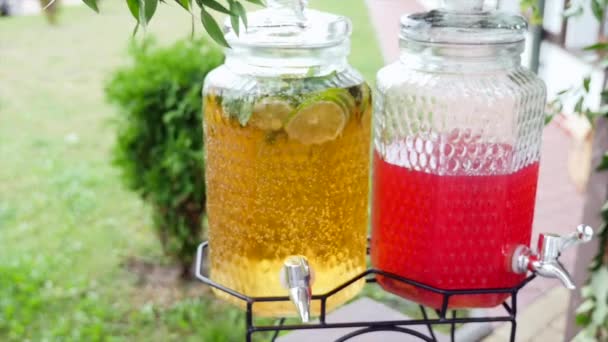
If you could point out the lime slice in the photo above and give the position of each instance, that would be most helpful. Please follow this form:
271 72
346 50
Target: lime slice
317 122
340 96
270 114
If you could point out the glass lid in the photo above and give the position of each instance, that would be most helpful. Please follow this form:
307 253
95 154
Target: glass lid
464 22
289 24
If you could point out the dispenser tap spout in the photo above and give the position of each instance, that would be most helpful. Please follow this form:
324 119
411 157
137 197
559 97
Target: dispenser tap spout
555 270
296 276
545 260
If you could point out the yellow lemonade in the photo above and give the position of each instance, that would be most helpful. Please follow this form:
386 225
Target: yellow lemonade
291 180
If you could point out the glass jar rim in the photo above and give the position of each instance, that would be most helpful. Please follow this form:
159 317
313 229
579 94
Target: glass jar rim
463 28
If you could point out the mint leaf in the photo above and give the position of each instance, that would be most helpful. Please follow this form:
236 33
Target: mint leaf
245 113
240 109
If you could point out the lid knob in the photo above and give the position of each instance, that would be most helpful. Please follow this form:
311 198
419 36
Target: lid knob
292 29
463 5
295 6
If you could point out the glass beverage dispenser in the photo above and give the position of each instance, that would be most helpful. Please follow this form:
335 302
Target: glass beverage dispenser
287 136
457 137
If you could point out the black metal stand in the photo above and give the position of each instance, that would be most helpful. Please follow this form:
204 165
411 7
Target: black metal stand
402 326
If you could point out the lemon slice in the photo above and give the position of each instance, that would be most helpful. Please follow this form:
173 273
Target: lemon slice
317 122
270 114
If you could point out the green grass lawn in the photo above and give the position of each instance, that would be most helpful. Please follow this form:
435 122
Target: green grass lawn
66 222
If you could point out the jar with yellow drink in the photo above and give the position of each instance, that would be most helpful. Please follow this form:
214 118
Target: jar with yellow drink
287 134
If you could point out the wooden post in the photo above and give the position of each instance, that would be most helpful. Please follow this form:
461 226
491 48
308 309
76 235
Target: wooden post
597 193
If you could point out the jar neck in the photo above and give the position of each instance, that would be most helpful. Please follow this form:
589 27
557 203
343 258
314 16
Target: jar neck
456 58
274 62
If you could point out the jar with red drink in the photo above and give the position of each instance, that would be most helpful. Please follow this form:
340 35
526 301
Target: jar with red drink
457 139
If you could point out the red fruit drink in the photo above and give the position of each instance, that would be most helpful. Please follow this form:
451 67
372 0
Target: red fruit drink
453 231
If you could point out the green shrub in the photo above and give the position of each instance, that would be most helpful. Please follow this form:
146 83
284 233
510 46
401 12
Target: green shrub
159 147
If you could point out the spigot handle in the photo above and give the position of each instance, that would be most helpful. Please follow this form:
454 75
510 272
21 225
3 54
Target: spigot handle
550 246
297 277
583 234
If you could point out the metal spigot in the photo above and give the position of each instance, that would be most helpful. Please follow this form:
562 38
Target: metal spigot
296 276
544 261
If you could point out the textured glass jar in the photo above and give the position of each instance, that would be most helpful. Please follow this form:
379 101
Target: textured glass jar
457 136
287 125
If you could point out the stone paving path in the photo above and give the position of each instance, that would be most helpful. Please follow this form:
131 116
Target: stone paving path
558 208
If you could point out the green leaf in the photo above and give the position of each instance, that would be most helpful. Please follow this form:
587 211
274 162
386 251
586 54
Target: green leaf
149 9
257 2
599 280
586 82
586 290
604 212
603 163
573 11
184 3
134 8
586 306
212 28
597 46
587 335
234 21
241 12
217 6
92 4
598 9
578 107
582 319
